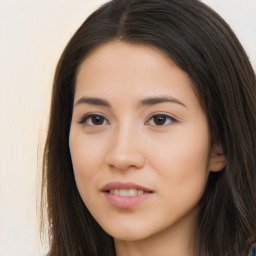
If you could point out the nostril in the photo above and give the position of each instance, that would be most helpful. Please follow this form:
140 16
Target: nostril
125 160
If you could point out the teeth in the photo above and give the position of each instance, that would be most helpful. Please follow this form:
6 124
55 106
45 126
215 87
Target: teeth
126 192
132 192
140 192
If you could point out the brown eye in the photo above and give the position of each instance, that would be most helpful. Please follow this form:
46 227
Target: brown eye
97 120
94 120
161 120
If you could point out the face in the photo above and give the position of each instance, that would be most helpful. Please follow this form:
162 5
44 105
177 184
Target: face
139 141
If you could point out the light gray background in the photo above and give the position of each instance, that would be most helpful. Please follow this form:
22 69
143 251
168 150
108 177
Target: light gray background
32 36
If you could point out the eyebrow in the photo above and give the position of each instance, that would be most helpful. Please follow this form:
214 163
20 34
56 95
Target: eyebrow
162 99
145 102
93 101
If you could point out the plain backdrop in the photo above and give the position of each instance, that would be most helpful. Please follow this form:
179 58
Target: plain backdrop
33 34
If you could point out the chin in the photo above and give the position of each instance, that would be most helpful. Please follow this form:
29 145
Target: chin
128 233
130 237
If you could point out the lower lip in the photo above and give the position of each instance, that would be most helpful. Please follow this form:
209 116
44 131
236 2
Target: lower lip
127 201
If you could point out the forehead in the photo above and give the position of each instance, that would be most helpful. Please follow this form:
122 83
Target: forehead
118 68
117 55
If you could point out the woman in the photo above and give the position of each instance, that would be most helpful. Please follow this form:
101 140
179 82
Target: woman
151 141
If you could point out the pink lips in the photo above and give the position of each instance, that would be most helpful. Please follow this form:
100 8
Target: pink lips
126 201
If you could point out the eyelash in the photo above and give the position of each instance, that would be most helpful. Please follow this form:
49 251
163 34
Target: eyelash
166 117
85 119
88 118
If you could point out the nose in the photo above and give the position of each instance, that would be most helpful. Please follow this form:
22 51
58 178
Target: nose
125 150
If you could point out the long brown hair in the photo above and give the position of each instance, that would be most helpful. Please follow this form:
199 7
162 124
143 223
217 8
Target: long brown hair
201 43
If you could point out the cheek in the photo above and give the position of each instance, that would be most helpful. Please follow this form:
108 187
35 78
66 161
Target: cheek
87 157
181 160
190 156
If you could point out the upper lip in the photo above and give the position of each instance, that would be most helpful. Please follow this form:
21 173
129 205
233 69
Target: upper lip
124 185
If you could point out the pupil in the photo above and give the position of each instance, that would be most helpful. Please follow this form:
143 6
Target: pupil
159 120
97 120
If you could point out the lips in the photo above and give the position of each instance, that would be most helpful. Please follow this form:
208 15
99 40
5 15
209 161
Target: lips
125 186
126 195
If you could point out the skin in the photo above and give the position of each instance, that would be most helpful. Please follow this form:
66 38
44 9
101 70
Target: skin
172 157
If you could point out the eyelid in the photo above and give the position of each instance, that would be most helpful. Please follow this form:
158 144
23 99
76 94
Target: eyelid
168 116
89 115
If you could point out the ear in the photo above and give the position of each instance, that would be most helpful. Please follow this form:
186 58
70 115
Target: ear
217 159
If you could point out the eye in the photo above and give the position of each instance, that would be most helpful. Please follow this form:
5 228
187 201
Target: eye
94 120
160 120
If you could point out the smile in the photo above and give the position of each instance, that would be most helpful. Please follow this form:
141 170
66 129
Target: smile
126 192
126 195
